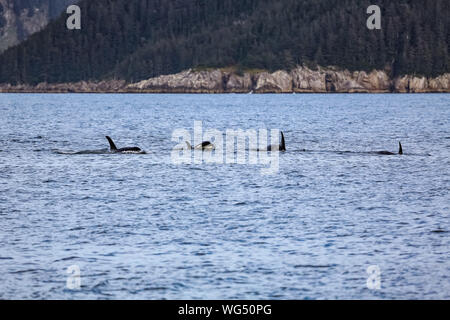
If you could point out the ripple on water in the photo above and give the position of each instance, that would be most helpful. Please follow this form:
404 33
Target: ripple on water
145 227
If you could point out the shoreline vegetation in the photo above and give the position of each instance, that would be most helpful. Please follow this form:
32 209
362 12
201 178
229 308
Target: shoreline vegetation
231 80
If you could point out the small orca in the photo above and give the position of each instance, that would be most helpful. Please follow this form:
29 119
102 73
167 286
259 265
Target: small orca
387 153
114 149
205 145
276 147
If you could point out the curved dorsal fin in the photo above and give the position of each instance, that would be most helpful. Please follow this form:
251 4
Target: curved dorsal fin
111 143
188 145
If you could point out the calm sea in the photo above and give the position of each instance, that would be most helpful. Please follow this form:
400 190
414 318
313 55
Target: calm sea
143 227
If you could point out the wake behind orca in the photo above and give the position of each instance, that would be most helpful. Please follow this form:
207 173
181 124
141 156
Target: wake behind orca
113 149
382 153
100 151
387 153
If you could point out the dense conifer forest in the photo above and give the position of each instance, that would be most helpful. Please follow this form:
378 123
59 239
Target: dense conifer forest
138 39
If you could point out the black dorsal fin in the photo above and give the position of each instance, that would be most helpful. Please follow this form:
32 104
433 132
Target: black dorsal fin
400 149
111 143
283 143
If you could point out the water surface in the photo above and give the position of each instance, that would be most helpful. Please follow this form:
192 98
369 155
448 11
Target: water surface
141 227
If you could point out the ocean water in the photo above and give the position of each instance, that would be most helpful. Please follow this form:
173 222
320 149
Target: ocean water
144 227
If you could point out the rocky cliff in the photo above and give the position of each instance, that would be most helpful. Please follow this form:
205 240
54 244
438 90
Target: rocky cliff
21 18
299 80
111 86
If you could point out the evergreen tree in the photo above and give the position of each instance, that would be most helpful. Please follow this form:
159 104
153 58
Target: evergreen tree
138 39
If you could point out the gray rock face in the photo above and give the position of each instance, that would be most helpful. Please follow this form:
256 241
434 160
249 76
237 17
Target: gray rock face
19 19
301 79
112 86
278 82
239 83
334 80
421 84
376 81
306 80
185 82
440 84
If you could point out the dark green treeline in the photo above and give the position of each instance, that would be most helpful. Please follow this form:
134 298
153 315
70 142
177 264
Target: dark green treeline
138 39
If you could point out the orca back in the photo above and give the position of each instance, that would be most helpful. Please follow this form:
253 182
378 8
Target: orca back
129 149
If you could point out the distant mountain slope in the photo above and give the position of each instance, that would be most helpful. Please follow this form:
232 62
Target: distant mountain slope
20 18
139 39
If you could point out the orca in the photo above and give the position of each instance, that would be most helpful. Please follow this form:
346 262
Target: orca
114 149
387 153
276 147
205 145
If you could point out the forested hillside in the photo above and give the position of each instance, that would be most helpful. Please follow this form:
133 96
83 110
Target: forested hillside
138 39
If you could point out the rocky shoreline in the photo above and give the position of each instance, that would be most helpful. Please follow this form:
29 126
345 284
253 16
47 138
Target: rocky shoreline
299 80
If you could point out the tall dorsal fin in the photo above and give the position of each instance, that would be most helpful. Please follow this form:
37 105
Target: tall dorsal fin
283 143
188 145
111 143
400 149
